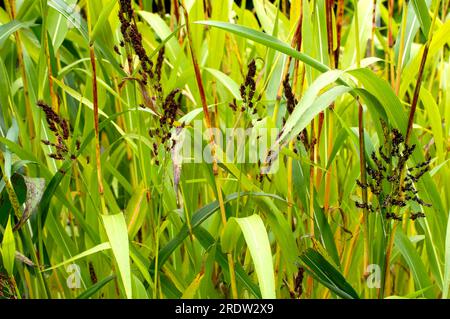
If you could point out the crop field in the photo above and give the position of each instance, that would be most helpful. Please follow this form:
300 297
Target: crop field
221 149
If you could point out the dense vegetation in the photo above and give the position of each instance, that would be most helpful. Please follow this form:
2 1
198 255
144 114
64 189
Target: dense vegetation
350 198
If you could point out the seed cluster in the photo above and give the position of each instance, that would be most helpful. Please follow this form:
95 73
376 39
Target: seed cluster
386 181
158 73
233 105
248 88
297 290
60 128
298 282
291 102
151 75
247 92
162 134
249 101
132 41
92 273
132 36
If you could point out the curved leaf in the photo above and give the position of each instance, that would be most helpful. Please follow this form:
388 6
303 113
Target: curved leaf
329 276
258 244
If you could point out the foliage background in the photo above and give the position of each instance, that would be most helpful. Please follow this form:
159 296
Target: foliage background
116 209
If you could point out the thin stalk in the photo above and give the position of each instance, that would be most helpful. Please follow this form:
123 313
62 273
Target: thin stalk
362 154
156 235
285 7
290 203
401 50
96 120
174 15
374 25
201 89
420 75
329 13
11 8
362 164
312 158
123 124
296 42
326 204
53 95
339 21
290 170
216 104
390 52
234 292
198 78
387 274
329 20
358 46
289 187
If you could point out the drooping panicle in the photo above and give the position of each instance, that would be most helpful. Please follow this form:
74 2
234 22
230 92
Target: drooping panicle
61 130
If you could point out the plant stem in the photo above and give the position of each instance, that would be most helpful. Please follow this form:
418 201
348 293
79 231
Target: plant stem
362 153
296 42
96 120
374 24
390 52
53 95
339 21
11 7
329 14
390 245
329 20
212 142
402 49
415 99
312 158
362 164
234 292
420 75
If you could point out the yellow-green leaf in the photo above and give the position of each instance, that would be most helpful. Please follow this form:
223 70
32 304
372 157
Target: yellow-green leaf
116 230
8 248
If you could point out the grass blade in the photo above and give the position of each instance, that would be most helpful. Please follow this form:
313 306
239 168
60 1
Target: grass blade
116 230
329 276
258 244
